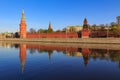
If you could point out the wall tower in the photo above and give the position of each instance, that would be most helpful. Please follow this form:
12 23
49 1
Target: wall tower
85 31
23 26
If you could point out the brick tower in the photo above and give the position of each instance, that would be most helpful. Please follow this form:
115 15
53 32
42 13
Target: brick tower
23 26
50 30
50 26
85 30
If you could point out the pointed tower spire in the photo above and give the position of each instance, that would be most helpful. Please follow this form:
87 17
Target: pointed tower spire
23 17
23 26
50 26
50 30
85 21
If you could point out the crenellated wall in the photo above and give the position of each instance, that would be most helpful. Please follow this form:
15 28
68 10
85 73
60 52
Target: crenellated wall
52 35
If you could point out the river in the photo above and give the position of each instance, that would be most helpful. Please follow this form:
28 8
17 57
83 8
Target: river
51 62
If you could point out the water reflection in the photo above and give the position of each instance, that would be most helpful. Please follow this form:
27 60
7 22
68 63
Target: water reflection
85 53
22 55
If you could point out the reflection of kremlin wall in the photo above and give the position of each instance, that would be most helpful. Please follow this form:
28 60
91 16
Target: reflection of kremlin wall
85 53
24 34
69 51
57 48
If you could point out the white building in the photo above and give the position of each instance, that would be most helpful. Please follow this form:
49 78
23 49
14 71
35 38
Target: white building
118 20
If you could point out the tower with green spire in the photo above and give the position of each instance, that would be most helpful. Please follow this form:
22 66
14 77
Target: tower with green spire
85 33
85 25
50 30
23 26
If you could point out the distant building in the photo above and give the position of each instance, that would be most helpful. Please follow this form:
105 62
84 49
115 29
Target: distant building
118 20
9 35
74 28
2 35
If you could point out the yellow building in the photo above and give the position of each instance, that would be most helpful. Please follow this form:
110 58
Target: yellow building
2 35
73 28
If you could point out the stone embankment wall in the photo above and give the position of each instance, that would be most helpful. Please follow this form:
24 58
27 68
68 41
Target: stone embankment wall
68 40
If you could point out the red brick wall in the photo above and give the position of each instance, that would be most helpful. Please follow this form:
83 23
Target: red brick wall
52 35
85 33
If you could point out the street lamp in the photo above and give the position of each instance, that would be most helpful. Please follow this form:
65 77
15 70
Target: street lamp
0 36
107 31
66 32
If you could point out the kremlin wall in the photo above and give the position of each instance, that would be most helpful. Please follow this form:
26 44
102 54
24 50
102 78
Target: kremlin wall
84 33
83 36
52 35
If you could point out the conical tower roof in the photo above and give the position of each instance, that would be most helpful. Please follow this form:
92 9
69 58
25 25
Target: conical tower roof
50 26
23 16
85 21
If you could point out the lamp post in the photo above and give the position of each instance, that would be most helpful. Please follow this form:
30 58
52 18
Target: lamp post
107 31
0 36
66 32
39 34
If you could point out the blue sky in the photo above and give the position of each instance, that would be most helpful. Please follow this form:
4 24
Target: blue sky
61 13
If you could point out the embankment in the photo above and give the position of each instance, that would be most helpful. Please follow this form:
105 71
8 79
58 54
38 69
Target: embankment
95 43
68 40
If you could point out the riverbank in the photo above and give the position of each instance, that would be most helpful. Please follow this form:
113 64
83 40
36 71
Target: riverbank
74 45
67 40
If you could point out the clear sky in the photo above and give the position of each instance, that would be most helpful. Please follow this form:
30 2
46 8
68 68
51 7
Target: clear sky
61 13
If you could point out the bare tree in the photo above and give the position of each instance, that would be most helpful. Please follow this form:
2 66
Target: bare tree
32 30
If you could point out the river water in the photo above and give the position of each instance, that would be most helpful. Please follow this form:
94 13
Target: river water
50 62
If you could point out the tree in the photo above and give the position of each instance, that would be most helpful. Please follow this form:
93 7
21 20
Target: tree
16 35
32 30
58 31
116 30
41 31
93 27
50 30
45 31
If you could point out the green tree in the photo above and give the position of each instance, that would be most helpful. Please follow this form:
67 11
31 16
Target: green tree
50 30
40 30
116 30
